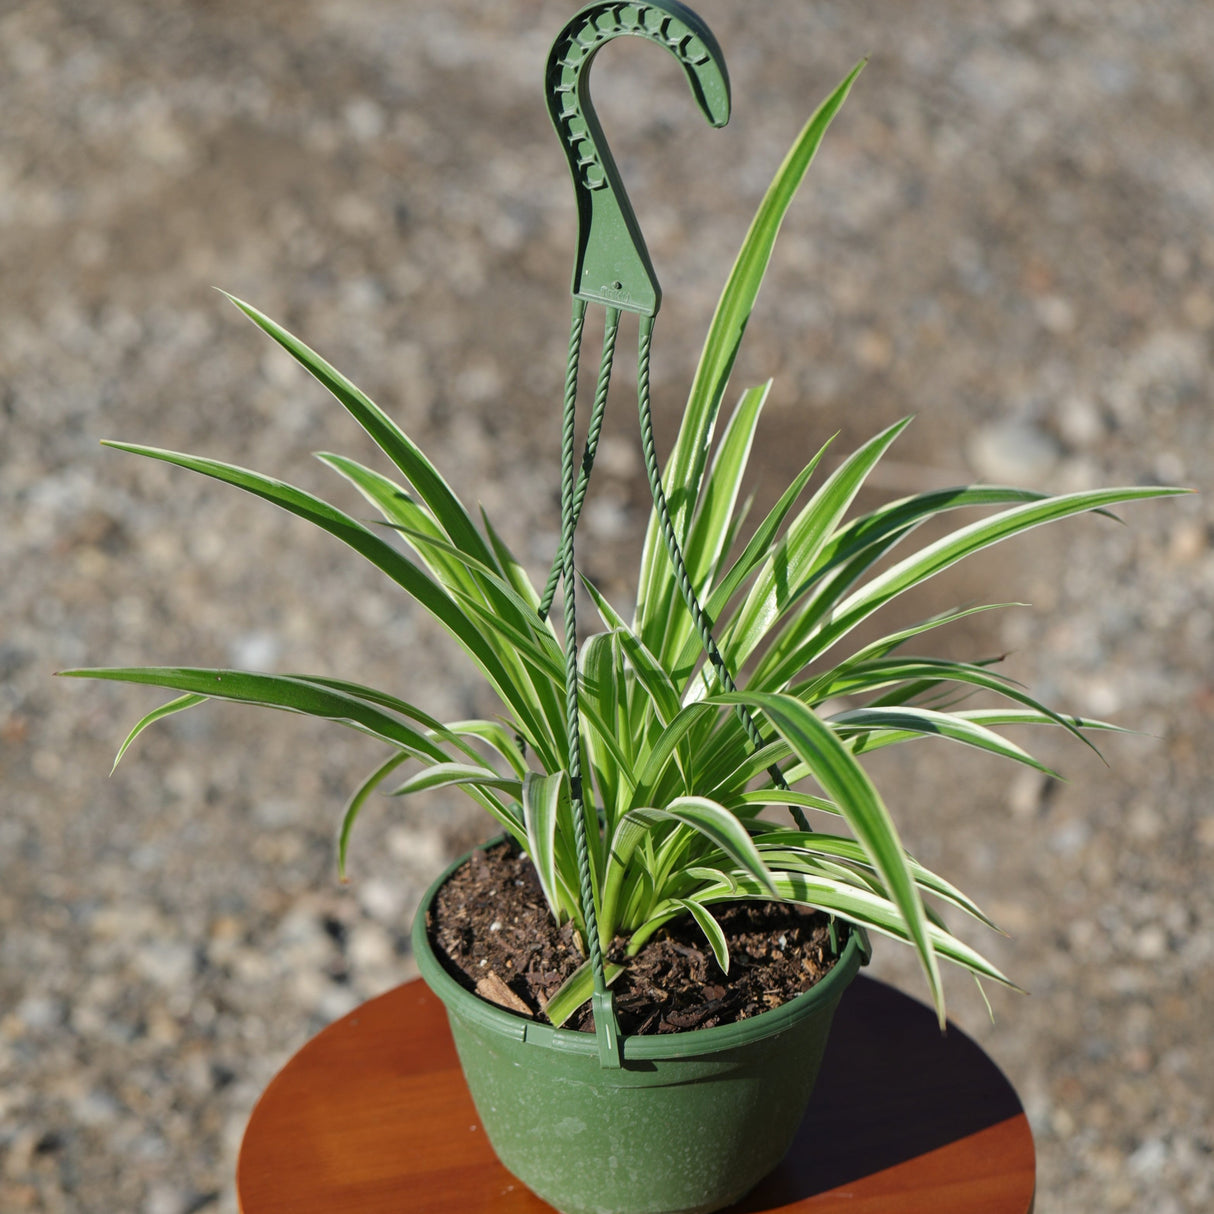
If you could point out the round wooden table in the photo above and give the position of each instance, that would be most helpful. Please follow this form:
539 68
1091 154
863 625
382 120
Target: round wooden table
372 1117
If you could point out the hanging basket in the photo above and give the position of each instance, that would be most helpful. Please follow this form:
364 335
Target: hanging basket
688 1123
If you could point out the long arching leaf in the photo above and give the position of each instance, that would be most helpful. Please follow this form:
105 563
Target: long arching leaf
845 782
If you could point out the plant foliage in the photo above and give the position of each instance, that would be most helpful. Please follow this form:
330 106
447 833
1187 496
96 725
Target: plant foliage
683 817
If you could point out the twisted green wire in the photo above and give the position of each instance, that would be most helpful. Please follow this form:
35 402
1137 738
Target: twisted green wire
592 443
568 524
680 567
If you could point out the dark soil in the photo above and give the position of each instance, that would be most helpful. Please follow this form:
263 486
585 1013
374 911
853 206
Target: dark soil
492 930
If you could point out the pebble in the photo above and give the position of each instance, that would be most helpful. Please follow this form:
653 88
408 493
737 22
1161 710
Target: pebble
1151 943
385 901
166 963
1148 1158
370 947
38 1013
1080 423
1012 453
1070 838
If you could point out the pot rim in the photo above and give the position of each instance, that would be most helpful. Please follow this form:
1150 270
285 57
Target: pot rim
689 1043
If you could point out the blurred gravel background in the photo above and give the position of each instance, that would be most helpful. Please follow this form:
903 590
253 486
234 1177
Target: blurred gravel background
1007 233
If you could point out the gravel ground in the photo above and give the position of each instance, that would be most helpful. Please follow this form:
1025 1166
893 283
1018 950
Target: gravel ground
1006 234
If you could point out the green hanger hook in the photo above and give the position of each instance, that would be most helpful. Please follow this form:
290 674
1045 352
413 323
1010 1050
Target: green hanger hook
613 265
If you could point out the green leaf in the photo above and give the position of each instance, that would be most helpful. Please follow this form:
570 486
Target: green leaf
733 767
495 735
543 797
180 704
372 695
931 560
401 511
865 908
1025 716
603 683
499 606
358 800
923 673
707 875
722 486
432 597
665 748
390 439
845 782
762 797
819 688
687 459
860 543
708 538
856 548
651 674
720 827
541 655
711 929
630 832
818 843
576 990
785 574
444 775
921 722
753 555
275 691
516 575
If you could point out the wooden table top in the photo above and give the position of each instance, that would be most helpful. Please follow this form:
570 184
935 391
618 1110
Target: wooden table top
372 1117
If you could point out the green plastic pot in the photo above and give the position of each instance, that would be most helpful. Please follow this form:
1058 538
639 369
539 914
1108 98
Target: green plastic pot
688 1124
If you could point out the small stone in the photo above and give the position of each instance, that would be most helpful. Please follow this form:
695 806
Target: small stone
874 349
1151 943
479 383
1056 314
618 457
255 651
166 963
1070 838
1013 453
1188 542
1199 309
163 1199
280 369
336 1001
1101 697
163 142
607 517
365 119
1205 831
39 1012
421 850
1144 823
1026 793
1080 422
1148 1159
96 1108
383 900
370 947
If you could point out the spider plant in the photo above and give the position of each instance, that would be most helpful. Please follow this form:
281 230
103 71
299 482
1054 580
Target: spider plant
680 804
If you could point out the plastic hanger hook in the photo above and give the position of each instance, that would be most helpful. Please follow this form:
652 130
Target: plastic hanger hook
613 267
